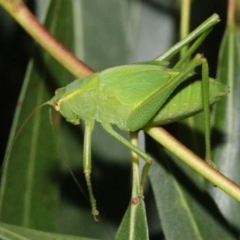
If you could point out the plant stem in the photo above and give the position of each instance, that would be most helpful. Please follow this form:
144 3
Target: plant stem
19 11
231 12
135 167
185 20
192 160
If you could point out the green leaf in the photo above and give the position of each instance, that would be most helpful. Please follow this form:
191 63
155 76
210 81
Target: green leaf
184 207
30 190
113 39
134 223
226 123
19 233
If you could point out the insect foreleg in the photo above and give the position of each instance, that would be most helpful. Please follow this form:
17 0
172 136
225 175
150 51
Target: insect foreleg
135 149
87 164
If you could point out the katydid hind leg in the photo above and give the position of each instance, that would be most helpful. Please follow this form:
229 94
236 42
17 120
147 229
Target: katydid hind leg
144 112
138 151
200 30
205 74
206 110
192 49
206 104
205 86
87 164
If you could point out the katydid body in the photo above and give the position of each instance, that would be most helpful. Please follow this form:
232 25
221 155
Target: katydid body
121 99
131 97
138 95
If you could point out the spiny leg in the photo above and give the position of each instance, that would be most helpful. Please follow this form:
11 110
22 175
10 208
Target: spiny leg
200 32
87 165
135 149
201 60
205 97
192 49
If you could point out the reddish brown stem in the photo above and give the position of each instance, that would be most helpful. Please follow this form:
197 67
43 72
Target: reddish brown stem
231 12
192 160
29 22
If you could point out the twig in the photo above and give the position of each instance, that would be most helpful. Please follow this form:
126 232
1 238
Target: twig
19 11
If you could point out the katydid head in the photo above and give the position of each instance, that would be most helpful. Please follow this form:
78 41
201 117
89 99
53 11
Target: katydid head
76 100
60 105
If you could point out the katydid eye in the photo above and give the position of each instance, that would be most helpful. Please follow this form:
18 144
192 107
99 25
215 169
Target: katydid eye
56 91
56 105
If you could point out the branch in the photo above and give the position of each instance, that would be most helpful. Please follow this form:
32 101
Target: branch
19 11
193 161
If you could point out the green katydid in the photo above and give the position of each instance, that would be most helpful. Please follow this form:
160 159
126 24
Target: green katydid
137 95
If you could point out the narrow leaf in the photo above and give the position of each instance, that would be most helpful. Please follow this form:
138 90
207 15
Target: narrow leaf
185 209
29 192
226 127
19 233
134 223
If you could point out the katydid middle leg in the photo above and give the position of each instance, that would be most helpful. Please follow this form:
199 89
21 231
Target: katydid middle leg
135 149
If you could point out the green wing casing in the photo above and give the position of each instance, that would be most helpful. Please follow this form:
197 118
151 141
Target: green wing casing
124 89
139 117
182 104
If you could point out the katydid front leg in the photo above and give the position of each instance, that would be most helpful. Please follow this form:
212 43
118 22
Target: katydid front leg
87 165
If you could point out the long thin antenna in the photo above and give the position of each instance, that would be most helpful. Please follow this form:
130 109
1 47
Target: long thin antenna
64 159
18 132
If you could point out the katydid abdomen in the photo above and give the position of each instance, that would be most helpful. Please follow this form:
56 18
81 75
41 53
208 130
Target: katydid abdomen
186 101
